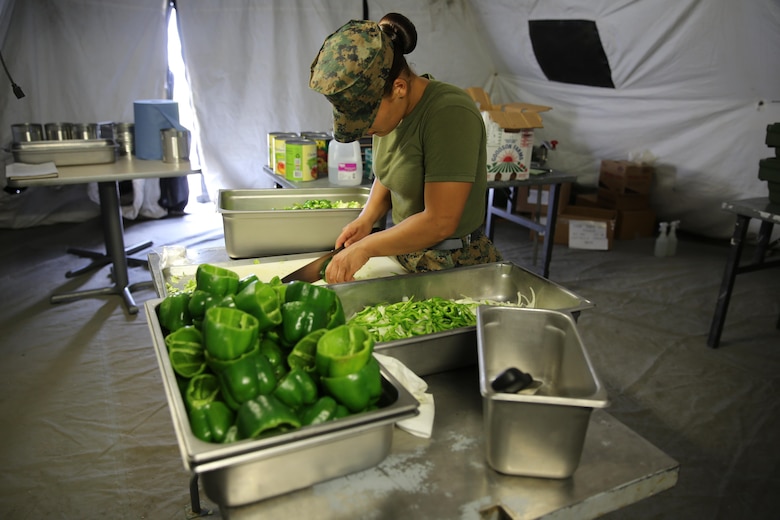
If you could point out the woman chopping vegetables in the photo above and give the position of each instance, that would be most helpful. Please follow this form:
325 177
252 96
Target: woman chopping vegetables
429 152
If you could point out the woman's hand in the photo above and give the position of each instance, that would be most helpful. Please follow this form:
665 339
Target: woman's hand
343 266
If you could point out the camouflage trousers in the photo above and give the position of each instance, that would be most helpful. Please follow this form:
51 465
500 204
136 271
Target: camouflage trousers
479 251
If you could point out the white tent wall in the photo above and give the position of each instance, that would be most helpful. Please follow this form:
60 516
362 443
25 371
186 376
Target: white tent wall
696 82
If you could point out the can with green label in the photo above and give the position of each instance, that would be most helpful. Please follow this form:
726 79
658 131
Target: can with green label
300 160
276 150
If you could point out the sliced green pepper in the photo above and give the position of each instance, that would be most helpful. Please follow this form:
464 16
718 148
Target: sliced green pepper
296 389
265 415
228 333
356 391
343 350
186 351
323 410
261 301
244 378
173 311
216 280
303 353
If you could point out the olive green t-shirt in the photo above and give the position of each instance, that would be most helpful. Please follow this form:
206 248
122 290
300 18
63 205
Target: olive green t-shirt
442 140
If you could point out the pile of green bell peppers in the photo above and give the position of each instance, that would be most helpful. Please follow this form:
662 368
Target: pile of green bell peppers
253 359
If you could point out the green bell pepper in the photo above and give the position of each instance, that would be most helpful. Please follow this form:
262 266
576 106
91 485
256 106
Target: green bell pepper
201 389
300 318
323 298
244 282
323 410
273 353
261 301
303 353
186 352
343 350
210 419
263 416
228 333
174 312
244 378
296 389
356 391
216 280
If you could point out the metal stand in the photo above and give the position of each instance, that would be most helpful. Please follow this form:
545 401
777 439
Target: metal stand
113 234
196 509
745 210
100 260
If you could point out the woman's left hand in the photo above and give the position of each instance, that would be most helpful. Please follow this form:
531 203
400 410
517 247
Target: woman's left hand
344 265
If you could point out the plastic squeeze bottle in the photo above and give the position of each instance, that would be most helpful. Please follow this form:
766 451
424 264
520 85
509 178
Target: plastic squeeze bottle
671 240
661 243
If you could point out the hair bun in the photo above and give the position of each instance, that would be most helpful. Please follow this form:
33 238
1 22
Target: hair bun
401 31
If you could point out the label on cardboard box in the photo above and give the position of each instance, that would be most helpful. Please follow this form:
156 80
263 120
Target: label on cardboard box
508 153
588 234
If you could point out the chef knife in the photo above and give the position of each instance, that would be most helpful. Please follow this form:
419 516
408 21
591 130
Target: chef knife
312 271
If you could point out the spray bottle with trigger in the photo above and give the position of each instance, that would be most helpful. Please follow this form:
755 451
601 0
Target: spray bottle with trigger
661 243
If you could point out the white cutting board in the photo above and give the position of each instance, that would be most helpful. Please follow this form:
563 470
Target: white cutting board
266 268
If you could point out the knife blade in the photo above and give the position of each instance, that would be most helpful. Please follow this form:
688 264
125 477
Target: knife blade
312 271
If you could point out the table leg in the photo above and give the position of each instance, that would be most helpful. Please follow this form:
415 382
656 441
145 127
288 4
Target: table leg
489 231
549 233
727 284
113 235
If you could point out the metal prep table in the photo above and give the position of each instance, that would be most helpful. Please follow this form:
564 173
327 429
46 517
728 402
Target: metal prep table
108 176
745 210
446 476
552 179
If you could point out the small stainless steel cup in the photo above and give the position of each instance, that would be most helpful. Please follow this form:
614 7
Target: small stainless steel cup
123 135
85 131
175 145
27 132
59 131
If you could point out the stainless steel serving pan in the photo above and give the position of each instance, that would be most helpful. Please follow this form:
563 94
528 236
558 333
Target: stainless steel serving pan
442 351
250 470
256 223
65 153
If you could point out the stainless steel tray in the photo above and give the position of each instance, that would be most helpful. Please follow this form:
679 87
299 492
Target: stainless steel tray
65 153
442 351
251 470
256 223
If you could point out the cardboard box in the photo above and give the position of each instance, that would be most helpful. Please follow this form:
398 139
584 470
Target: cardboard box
587 200
609 199
528 196
586 228
510 135
633 224
626 177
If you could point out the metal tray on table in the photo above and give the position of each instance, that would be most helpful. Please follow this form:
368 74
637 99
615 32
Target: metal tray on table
442 351
66 153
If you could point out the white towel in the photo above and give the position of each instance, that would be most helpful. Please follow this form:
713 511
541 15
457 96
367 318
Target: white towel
422 424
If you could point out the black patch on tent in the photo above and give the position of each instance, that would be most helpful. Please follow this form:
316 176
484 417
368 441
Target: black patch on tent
570 51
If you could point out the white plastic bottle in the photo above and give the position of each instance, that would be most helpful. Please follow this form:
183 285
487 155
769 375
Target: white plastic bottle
345 166
661 243
671 241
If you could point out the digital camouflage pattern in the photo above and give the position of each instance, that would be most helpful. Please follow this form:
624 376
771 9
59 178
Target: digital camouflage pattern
480 250
351 70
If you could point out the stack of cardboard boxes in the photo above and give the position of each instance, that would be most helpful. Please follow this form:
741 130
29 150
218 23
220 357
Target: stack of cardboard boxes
622 200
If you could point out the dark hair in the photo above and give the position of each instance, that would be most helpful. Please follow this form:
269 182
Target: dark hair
403 34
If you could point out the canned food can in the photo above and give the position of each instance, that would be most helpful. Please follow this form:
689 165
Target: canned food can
321 139
273 156
59 131
300 160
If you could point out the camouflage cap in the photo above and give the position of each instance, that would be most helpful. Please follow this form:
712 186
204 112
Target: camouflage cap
351 70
